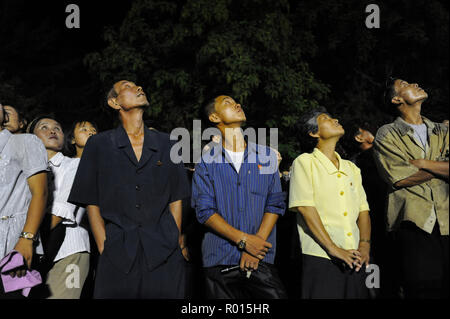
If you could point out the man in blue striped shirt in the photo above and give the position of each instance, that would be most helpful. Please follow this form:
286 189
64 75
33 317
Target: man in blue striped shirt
237 194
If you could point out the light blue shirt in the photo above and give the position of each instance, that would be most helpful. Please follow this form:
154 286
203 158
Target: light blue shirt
21 156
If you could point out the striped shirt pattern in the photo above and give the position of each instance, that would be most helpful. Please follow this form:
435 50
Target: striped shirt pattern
77 238
240 198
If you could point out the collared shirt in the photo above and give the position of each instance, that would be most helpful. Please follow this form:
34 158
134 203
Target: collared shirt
21 156
395 145
336 193
133 195
241 199
77 238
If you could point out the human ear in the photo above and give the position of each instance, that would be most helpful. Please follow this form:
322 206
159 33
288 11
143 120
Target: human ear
316 135
397 100
214 118
113 103
359 139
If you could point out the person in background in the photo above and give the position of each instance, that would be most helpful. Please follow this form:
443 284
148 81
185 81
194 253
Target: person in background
333 220
75 248
78 135
288 259
360 145
16 122
412 158
23 195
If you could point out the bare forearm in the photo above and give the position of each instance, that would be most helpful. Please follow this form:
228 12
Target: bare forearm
364 226
36 212
176 209
416 179
220 226
97 226
55 221
315 224
436 168
267 224
36 209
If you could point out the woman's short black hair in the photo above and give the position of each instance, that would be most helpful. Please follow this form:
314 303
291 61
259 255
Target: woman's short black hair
35 121
308 124
32 126
20 113
70 148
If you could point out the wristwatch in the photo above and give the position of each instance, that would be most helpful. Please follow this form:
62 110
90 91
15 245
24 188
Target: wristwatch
241 244
28 235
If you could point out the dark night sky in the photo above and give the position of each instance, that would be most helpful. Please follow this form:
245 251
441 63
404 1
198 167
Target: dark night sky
38 49
46 59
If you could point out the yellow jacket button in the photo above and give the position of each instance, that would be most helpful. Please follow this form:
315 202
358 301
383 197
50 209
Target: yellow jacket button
349 234
345 214
342 193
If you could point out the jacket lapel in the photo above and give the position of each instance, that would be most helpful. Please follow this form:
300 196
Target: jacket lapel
150 147
123 143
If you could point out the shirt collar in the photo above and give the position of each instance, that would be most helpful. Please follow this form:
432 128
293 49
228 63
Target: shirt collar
211 154
150 140
4 138
404 128
57 159
331 169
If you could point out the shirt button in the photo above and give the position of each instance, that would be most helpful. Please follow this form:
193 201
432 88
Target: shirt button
342 193
339 175
349 234
345 213
138 188
239 183
138 206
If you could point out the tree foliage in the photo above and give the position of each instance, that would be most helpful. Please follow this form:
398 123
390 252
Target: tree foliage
185 52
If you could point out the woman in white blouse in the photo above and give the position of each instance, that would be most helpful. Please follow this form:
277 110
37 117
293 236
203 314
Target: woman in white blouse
70 267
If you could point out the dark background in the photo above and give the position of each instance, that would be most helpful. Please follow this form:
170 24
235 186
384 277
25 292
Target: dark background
278 58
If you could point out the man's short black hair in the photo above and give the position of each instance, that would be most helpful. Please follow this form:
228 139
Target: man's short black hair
389 91
112 94
210 107
4 115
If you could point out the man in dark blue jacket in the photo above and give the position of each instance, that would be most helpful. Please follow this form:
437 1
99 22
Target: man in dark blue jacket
133 194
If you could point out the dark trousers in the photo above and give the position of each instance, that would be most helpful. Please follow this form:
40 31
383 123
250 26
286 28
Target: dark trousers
326 279
423 261
168 281
263 283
